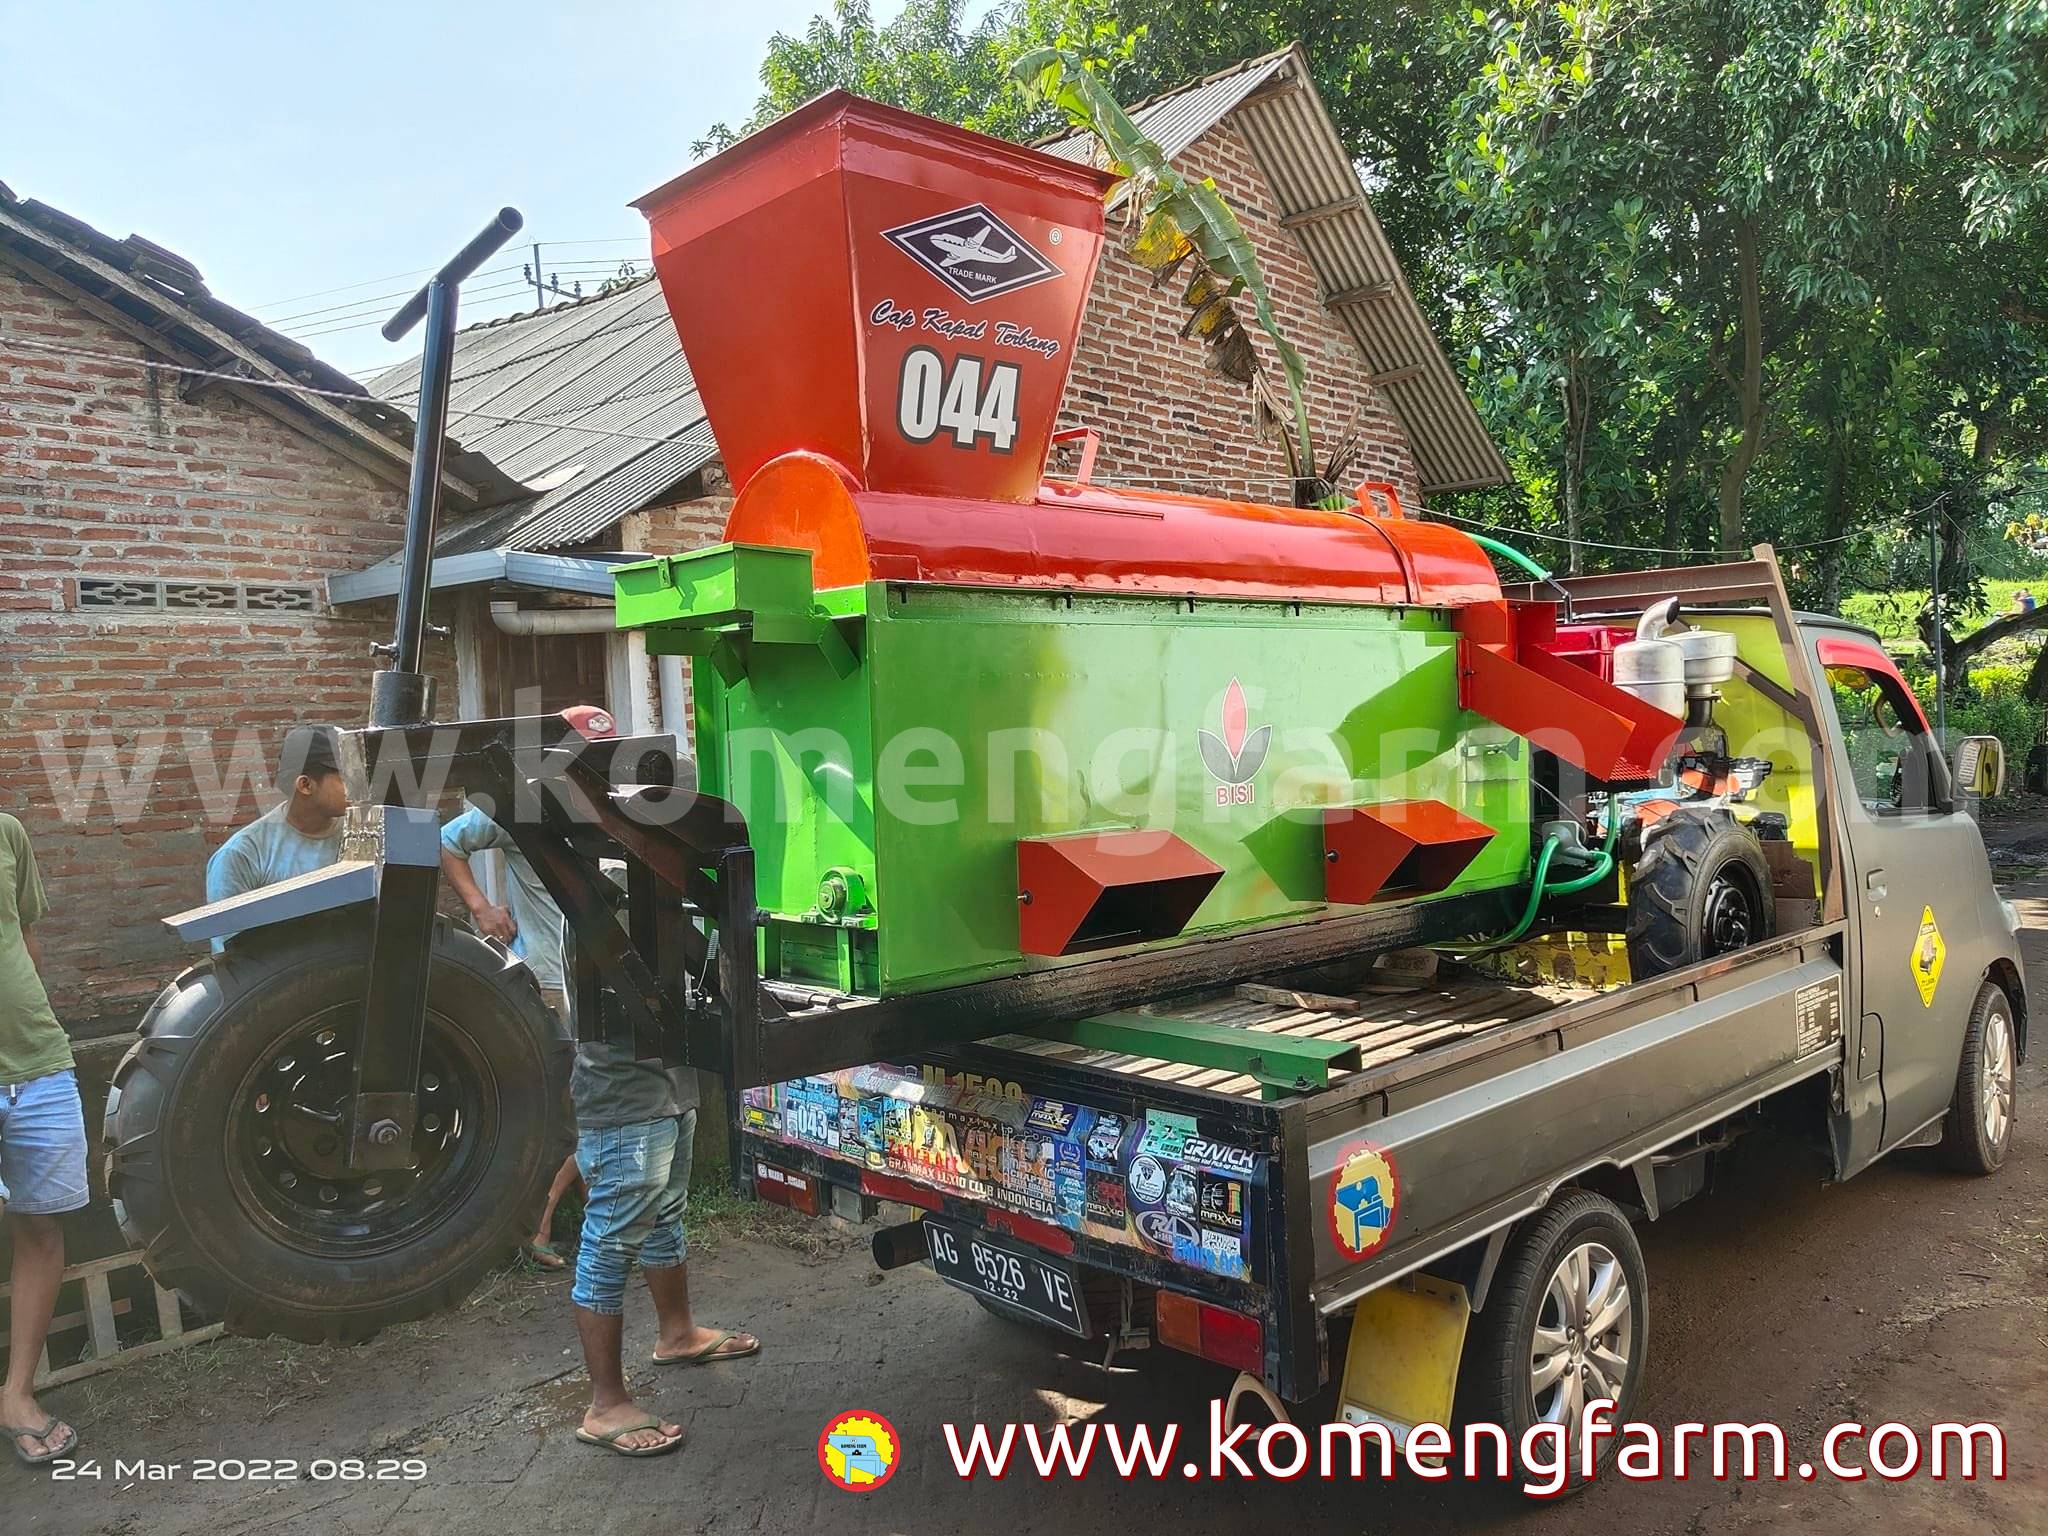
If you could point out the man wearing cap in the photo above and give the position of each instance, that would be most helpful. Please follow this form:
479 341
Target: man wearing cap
295 838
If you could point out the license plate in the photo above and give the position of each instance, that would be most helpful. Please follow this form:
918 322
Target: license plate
1015 1276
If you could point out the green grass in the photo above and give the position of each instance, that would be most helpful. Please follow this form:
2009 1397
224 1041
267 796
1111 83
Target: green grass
1895 614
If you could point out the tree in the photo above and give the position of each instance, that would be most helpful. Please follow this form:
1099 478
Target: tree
1716 269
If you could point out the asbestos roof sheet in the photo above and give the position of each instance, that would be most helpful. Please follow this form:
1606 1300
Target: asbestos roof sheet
591 405
1272 103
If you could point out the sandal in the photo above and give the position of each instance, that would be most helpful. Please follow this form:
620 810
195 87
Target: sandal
29 1432
714 1351
610 1440
542 1254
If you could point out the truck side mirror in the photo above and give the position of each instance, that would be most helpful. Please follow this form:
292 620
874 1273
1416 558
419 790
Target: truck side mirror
1978 771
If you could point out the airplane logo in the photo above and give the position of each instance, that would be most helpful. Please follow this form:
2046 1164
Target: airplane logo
976 249
972 252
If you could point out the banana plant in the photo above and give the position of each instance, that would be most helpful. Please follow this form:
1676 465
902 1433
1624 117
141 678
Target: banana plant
1179 223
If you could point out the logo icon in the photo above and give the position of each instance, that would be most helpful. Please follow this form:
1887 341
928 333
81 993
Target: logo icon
972 252
1364 1197
1148 1179
1235 757
858 1451
1928 953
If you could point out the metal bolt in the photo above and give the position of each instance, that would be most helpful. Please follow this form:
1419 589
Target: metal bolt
384 1133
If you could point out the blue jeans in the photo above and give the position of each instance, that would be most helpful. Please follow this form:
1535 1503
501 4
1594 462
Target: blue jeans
638 1182
42 1145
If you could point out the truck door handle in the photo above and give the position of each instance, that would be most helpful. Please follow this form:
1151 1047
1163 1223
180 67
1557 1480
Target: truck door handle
1874 884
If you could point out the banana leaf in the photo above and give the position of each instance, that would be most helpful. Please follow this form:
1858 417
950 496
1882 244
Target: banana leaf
1177 219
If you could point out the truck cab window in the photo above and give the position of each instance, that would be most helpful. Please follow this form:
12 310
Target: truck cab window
1891 753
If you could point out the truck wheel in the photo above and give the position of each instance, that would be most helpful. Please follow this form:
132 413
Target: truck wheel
1978 1131
1700 889
226 1156
1566 1321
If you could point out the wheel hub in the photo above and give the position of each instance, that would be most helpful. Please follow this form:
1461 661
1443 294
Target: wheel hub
288 1143
1729 919
1582 1343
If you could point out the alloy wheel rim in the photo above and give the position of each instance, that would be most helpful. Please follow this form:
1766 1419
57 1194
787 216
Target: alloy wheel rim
1995 1069
1581 1346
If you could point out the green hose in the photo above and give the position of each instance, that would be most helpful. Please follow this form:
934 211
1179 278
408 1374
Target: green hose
1509 553
1540 886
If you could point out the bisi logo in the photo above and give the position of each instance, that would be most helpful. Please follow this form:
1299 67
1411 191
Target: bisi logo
972 252
1235 756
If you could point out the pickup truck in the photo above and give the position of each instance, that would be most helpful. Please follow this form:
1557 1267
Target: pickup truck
1461 1152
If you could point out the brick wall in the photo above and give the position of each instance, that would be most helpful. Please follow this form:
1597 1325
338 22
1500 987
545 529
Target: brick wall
1168 423
105 470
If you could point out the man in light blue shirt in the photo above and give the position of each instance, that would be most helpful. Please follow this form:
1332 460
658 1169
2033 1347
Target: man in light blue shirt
529 923
295 838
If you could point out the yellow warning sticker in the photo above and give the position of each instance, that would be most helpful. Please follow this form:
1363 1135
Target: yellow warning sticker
1928 953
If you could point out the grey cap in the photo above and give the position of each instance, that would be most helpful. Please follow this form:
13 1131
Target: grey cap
308 749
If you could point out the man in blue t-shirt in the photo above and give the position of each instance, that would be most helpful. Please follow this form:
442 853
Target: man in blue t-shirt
294 838
530 925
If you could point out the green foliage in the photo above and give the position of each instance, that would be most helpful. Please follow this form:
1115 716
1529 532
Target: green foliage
1179 223
1717 270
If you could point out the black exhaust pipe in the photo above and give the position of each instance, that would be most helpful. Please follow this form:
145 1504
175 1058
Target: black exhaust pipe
897 1246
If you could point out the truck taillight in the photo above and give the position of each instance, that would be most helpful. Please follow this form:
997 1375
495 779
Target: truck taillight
1213 1332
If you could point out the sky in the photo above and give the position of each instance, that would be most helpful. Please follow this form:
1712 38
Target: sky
317 161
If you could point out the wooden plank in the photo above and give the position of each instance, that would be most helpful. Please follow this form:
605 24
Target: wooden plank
80 1271
1364 293
99 1307
170 1317
85 1368
1303 217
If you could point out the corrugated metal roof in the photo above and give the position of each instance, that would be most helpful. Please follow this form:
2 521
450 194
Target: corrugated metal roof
1177 118
162 300
592 403
1290 135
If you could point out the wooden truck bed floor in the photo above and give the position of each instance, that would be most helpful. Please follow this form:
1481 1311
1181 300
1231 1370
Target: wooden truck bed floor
1386 1023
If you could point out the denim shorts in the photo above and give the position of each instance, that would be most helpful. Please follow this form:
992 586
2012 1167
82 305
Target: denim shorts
638 1181
42 1145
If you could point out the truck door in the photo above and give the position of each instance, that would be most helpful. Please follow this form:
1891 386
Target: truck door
1911 855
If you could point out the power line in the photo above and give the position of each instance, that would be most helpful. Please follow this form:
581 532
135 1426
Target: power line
1634 549
293 387
393 277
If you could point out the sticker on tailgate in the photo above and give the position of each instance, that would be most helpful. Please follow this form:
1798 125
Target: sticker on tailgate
1151 1181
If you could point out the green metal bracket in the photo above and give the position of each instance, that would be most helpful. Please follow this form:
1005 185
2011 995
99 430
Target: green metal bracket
696 604
1282 1064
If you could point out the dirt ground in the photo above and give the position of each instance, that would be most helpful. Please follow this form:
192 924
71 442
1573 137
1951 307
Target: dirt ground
1907 1294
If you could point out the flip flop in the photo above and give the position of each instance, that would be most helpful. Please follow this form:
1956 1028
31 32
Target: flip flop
710 1353
28 1431
610 1440
542 1254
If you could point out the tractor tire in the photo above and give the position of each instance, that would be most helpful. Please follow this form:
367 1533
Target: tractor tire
225 1143
1700 889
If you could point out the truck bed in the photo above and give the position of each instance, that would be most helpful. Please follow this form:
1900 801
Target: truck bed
1388 1022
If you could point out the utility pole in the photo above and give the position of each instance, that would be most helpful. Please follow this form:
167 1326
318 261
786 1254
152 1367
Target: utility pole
1934 597
540 293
